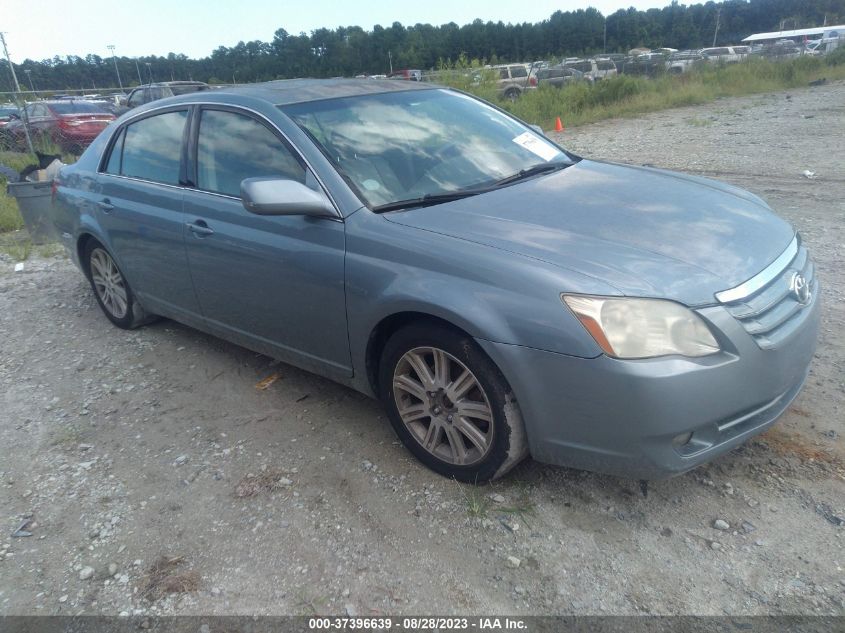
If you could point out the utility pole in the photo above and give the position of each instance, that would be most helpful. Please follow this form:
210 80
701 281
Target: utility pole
18 90
390 59
604 48
114 59
29 76
138 68
718 16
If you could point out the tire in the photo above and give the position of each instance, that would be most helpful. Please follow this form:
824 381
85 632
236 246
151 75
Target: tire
512 94
112 291
474 436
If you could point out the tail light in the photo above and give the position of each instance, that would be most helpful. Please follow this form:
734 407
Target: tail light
532 81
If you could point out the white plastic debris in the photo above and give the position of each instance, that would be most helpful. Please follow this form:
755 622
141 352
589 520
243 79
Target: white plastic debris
19 267
809 174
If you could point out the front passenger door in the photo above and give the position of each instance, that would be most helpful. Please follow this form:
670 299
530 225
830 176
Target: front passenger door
271 283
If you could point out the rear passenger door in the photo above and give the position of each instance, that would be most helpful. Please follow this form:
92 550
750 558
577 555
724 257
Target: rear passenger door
140 209
271 283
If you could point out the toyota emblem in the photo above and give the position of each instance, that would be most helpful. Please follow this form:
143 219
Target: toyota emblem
800 289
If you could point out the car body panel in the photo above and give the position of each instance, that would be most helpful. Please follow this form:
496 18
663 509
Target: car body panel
620 417
276 279
674 237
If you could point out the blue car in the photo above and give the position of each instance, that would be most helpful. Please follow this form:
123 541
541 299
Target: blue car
501 296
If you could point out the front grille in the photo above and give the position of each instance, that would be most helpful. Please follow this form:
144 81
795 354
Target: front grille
771 313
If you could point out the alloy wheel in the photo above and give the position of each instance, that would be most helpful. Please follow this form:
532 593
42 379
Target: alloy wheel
443 406
108 283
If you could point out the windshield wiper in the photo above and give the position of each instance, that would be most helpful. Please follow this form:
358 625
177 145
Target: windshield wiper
541 168
429 199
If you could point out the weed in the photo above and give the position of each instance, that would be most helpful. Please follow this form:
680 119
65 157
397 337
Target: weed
267 481
696 122
66 436
53 249
163 577
16 245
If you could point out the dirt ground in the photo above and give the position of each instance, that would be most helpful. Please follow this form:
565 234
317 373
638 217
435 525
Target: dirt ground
160 480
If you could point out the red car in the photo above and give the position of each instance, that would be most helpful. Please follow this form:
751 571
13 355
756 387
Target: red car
70 124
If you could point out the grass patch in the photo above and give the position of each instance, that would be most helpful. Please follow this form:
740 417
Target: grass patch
16 244
697 122
625 95
10 216
477 503
53 249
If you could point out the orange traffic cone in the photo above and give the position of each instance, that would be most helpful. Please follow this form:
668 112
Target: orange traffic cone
558 125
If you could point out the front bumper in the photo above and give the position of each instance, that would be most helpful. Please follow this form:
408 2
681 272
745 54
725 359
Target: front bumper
624 417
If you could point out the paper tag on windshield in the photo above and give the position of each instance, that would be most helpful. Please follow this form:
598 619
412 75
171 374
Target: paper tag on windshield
537 146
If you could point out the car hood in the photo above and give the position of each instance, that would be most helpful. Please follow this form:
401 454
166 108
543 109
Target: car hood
645 231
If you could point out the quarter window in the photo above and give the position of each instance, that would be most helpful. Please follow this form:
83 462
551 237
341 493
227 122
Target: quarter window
235 146
152 148
113 166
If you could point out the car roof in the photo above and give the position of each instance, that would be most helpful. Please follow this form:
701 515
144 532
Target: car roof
290 91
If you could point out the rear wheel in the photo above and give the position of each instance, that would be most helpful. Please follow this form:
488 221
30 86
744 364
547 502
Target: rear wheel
111 289
449 404
512 94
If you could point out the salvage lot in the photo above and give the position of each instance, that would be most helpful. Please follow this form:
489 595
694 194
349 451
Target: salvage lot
297 498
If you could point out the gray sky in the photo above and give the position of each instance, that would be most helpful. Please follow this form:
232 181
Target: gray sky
197 27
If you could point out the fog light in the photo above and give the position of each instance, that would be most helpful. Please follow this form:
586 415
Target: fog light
681 440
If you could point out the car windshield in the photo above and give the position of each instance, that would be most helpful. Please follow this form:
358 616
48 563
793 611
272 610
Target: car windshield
404 145
77 107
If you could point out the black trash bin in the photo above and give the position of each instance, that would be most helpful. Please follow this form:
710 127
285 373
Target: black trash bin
35 204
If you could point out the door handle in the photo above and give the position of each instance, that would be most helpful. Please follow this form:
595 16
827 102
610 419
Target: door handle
106 205
200 228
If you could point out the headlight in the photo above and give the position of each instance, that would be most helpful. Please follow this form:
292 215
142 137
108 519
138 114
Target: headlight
642 328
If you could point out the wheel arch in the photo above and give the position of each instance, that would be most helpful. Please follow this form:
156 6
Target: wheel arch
386 327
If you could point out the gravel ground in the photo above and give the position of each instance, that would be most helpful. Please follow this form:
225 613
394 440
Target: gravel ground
160 480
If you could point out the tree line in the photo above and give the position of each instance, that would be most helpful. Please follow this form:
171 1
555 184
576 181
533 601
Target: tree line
350 51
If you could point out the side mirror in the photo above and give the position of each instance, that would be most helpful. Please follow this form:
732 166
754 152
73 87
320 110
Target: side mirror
280 196
14 115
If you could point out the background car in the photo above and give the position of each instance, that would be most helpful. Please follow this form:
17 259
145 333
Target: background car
595 69
70 124
725 54
514 79
154 91
558 76
408 74
684 61
7 113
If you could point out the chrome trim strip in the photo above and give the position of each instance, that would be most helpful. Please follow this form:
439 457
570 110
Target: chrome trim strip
761 279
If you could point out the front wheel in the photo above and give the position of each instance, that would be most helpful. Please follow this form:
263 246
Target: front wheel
450 405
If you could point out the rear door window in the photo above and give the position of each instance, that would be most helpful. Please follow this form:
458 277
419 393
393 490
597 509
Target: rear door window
235 146
518 71
152 148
